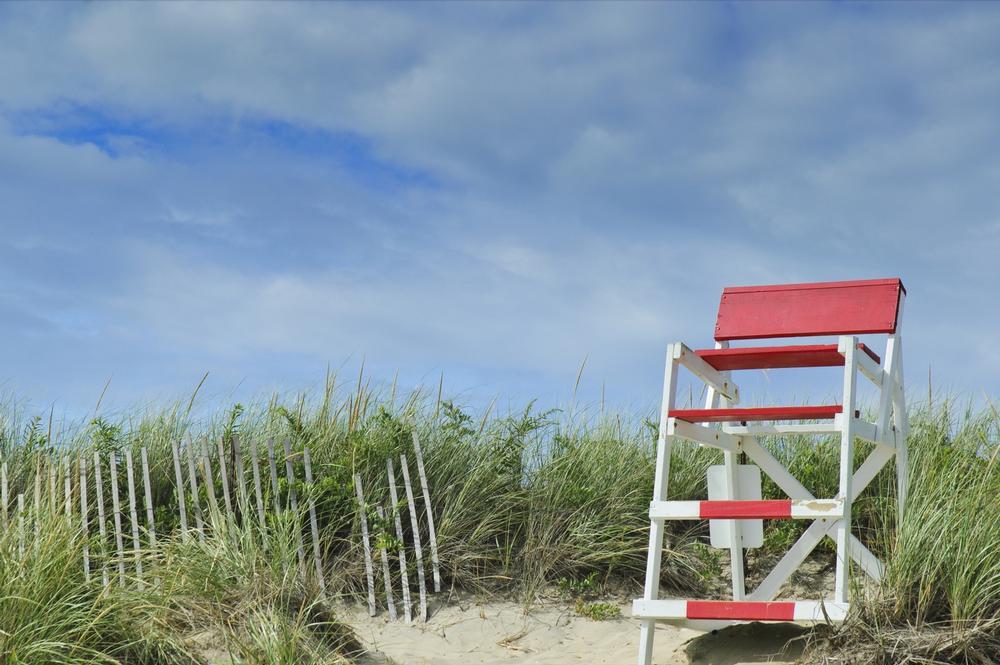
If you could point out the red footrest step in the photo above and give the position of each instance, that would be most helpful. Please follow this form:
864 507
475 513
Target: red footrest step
739 610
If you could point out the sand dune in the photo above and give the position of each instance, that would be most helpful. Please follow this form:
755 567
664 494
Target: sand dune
502 633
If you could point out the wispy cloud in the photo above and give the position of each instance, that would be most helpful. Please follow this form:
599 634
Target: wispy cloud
496 190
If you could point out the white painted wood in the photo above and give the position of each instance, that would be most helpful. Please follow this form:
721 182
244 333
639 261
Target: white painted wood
720 382
224 476
849 347
790 562
134 516
148 495
38 502
734 528
101 524
84 527
67 489
241 480
404 580
664 444
179 484
116 507
193 483
435 564
748 488
386 575
20 525
53 484
869 368
415 526
366 544
818 509
778 429
900 420
4 498
293 503
707 436
206 474
313 523
274 476
258 491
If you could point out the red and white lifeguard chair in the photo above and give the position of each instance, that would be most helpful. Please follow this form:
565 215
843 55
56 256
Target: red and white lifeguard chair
841 309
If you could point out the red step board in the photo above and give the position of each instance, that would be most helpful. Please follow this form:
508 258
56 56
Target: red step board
825 412
744 610
778 357
737 510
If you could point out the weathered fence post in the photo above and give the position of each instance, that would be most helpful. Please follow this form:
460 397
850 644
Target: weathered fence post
422 583
407 611
430 512
369 573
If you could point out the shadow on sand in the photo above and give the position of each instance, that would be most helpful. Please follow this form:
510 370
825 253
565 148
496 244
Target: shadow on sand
748 643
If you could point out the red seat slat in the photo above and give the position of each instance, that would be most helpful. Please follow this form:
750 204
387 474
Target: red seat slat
776 357
746 610
824 412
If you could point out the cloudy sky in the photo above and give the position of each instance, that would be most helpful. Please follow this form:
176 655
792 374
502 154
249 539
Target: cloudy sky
496 192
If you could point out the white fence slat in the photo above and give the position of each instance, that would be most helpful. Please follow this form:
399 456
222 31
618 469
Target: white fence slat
84 510
101 525
436 566
148 492
421 581
293 502
68 488
38 504
274 476
193 483
241 480
257 490
386 575
20 522
404 578
224 475
116 506
179 484
53 484
369 573
134 516
3 490
313 524
206 474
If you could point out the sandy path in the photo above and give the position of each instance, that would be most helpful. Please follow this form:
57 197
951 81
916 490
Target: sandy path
502 633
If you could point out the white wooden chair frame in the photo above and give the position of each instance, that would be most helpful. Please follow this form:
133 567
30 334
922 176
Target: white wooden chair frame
830 518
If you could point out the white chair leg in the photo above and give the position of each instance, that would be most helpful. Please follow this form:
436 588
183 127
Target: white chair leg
848 346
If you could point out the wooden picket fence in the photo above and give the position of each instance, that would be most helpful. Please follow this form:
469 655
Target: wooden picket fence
86 486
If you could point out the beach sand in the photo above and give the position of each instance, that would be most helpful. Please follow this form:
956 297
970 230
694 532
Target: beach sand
503 633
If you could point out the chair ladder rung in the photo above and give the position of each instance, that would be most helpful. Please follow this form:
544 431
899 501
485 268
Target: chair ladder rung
740 610
781 509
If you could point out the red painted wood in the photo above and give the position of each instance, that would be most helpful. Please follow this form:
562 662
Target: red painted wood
825 412
741 510
775 357
741 610
805 310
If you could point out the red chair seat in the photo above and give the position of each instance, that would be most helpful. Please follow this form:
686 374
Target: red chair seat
825 412
776 357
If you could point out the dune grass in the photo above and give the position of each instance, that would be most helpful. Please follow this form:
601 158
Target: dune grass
523 501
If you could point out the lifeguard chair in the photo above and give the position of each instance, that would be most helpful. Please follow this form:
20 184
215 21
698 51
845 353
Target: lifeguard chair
841 309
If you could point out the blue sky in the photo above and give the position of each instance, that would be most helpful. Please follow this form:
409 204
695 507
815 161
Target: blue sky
492 191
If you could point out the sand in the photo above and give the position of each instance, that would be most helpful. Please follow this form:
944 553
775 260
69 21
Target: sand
502 633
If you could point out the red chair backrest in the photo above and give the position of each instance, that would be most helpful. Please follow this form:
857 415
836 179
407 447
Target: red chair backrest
807 310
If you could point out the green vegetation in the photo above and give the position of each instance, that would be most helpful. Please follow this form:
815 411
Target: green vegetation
523 502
